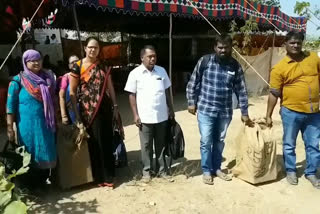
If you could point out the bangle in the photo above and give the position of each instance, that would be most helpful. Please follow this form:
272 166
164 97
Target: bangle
115 105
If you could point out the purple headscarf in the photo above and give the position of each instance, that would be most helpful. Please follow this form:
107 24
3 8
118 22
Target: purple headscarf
43 80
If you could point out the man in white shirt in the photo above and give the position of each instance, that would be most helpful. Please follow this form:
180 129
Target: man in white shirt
148 85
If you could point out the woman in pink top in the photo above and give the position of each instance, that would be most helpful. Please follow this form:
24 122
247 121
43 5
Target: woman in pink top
64 98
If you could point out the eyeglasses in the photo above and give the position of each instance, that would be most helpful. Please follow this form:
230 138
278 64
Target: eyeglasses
34 61
92 47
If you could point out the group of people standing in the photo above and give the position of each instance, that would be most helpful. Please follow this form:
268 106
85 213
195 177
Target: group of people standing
295 80
88 100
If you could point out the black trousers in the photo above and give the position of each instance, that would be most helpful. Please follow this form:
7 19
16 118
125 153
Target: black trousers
100 144
153 134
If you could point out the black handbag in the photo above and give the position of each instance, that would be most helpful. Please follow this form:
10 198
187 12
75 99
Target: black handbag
119 148
11 157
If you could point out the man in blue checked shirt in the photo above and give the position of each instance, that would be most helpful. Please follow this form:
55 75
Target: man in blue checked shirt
209 92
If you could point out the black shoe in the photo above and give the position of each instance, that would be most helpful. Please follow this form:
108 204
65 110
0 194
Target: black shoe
292 178
314 181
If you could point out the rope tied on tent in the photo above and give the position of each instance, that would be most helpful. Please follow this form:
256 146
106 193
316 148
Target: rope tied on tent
218 32
19 38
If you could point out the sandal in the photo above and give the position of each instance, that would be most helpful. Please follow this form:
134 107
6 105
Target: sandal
223 175
108 184
105 184
314 181
207 179
101 185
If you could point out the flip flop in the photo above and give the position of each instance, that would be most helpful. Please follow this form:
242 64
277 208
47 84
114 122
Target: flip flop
108 184
100 185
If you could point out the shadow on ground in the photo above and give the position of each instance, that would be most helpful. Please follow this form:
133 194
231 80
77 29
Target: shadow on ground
182 166
56 201
300 168
281 172
189 168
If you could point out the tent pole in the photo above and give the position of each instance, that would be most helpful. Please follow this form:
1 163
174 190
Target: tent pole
121 50
170 57
78 29
33 39
129 50
62 45
271 54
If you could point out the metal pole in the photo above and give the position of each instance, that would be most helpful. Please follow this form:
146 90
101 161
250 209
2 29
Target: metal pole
170 57
77 27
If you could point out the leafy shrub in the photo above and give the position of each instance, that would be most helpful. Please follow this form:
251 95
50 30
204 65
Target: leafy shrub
10 196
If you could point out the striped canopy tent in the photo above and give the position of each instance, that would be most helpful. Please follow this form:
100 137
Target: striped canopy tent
152 17
13 11
215 10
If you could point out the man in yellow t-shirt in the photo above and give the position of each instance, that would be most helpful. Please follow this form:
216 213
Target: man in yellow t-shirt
295 80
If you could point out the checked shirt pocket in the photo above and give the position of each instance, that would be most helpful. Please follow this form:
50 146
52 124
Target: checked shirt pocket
229 78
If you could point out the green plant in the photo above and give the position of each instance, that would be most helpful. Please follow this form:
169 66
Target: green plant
246 31
233 32
313 45
10 196
303 9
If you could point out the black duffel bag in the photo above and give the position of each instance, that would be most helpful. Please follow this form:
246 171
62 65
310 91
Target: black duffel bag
175 145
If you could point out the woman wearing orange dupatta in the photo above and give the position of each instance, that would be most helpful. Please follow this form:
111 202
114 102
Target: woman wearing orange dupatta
91 86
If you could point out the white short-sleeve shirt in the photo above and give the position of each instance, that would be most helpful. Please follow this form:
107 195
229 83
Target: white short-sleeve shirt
149 88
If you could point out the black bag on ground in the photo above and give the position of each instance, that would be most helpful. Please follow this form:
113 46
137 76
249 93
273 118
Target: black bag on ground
10 157
175 141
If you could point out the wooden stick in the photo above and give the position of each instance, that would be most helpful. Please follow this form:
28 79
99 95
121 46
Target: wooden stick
78 29
170 57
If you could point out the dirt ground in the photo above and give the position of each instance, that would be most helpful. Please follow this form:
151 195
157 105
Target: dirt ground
187 194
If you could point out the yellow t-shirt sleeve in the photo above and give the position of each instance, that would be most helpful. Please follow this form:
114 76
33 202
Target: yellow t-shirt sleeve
319 67
276 80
